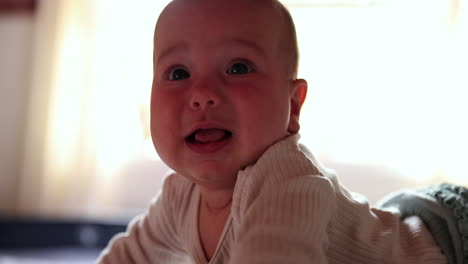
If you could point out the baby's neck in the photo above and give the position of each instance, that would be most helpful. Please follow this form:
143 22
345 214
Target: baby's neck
214 210
216 201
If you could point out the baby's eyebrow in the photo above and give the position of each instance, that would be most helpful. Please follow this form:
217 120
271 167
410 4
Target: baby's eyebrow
250 45
180 46
183 46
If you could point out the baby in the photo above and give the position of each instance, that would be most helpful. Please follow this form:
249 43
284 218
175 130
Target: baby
225 111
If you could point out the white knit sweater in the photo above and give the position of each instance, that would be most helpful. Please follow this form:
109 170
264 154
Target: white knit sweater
286 208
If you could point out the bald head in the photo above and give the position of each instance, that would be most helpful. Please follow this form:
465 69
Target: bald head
281 23
289 44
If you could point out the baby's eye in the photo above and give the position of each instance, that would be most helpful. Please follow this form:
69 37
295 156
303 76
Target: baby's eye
239 68
178 74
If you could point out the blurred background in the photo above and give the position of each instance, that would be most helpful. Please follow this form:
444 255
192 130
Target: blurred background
387 103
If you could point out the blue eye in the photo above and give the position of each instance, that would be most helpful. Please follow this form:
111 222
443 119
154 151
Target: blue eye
239 68
178 74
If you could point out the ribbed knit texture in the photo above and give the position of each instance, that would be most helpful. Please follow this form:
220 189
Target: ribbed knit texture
286 208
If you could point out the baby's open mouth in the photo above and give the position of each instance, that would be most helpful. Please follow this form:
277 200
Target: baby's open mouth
210 135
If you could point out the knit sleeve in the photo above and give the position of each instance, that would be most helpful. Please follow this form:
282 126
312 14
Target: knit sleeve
150 238
287 223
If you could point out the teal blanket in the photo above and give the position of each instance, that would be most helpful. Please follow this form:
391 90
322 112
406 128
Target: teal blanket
444 210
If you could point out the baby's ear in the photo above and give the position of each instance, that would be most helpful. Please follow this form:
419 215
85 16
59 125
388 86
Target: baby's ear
298 95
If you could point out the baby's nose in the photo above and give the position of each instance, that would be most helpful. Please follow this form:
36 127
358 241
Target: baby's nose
204 95
203 103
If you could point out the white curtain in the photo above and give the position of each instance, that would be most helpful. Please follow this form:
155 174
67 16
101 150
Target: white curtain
58 159
88 104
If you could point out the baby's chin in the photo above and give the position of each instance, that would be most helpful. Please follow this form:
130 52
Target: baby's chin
213 179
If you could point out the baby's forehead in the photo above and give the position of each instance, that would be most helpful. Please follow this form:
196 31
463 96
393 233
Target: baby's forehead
266 21
214 16
179 8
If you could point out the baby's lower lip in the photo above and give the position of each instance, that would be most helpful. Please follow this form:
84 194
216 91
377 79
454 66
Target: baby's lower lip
208 148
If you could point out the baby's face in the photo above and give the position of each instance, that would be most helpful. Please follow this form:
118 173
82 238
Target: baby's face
221 94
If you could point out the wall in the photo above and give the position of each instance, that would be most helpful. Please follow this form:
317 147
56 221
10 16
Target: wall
16 35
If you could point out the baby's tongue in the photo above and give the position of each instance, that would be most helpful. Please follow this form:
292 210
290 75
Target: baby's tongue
209 135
